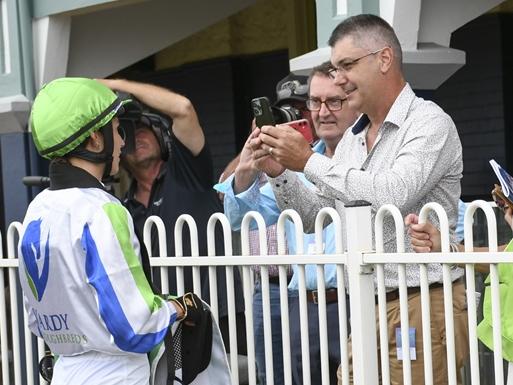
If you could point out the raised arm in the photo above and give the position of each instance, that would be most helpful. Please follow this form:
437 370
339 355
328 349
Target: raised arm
186 126
429 153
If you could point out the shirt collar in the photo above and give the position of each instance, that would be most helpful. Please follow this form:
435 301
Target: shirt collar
399 110
64 175
320 147
130 194
397 113
360 124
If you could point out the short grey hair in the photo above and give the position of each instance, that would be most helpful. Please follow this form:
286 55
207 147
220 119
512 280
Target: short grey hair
322 70
368 31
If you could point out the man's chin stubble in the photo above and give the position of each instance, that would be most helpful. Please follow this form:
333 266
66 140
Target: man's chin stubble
144 163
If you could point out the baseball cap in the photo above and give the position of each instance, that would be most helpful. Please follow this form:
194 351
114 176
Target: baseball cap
292 87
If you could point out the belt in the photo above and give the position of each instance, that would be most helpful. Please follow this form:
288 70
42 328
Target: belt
276 279
394 294
313 296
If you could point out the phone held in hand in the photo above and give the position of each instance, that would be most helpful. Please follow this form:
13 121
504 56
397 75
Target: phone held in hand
503 194
304 128
262 112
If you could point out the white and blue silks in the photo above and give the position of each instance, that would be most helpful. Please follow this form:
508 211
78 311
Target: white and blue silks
83 285
87 296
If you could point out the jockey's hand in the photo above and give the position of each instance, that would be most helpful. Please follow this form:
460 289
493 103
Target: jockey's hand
190 306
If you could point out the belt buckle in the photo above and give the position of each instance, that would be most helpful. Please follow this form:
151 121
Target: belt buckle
315 297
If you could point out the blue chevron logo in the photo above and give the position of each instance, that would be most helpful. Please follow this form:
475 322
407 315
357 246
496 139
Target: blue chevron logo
36 265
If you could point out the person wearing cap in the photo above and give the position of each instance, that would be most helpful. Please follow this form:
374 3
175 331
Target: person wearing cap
172 174
84 289
243 193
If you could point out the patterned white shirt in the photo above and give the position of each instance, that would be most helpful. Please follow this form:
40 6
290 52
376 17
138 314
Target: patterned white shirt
416 159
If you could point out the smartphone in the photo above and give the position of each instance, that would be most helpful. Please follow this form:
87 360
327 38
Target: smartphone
303 126
262 112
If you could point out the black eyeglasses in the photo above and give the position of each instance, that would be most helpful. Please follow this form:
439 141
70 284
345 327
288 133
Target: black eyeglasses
332 104
347 65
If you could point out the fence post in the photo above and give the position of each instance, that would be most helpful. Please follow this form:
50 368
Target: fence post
361 289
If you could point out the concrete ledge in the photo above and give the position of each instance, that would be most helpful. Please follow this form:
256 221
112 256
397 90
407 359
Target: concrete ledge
425 68
14 113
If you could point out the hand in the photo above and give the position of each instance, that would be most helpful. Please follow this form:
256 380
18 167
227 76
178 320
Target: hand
111 83
508 216
263 158
246 171
288 146
190 307
425 237
180 311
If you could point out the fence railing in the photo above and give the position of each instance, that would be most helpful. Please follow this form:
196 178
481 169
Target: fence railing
360 271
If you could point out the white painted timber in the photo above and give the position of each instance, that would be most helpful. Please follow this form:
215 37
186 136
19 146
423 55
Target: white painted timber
51 46
14 111
108 40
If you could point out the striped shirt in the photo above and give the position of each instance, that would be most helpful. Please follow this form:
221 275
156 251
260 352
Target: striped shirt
416 159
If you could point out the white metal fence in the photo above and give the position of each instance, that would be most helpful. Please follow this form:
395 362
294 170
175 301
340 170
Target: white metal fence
359 264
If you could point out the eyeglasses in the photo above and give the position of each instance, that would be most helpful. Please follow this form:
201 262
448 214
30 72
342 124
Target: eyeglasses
332 104
347 65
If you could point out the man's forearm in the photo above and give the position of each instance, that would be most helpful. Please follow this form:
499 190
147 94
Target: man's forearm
244 178
159 98
186 127
291 193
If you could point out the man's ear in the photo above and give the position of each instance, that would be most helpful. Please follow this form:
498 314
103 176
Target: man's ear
386 57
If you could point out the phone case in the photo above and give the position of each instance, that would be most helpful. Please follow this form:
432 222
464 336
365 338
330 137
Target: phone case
303 126
262 112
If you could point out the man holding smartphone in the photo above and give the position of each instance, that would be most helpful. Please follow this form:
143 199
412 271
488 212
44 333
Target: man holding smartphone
331 117
403 150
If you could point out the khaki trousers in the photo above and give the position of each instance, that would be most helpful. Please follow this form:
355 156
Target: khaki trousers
438 338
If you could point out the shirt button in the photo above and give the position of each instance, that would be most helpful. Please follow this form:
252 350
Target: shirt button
277 185
285 181
286 202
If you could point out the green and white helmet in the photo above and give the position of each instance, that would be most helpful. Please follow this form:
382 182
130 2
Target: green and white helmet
67 110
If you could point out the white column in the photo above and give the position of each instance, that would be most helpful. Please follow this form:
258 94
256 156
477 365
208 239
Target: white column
404 17
361 290
51 47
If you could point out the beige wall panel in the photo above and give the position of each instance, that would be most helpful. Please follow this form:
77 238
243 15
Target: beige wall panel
262 27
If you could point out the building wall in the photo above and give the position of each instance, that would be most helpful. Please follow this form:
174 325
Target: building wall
474 97
266 26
